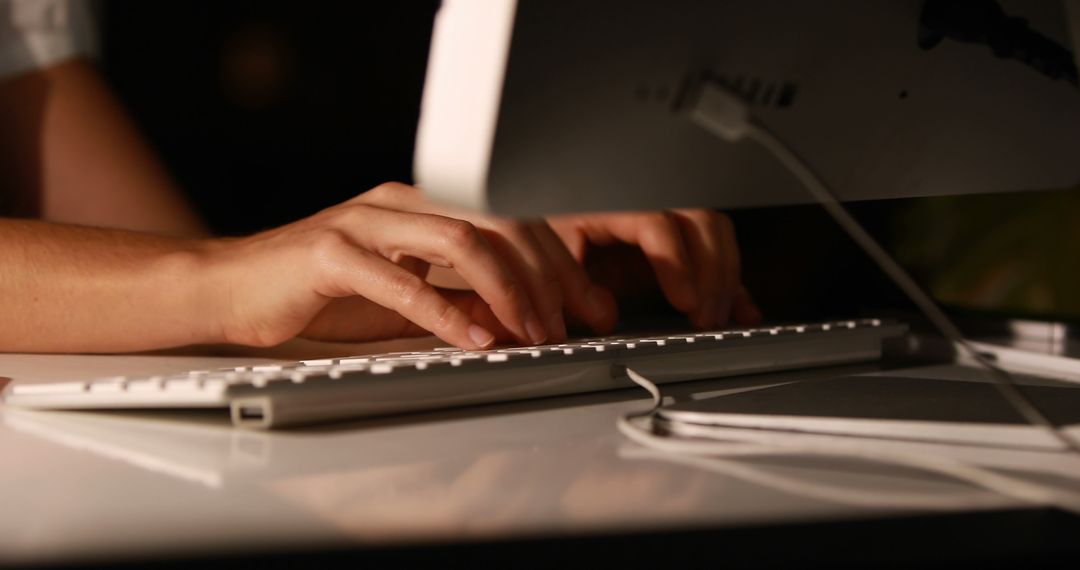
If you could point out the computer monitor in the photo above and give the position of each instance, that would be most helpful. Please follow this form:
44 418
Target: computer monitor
541 106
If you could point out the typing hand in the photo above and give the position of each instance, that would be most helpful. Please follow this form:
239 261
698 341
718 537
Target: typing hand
357 271
690 255
574 264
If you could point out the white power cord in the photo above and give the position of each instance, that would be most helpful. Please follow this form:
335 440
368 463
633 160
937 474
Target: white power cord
728 117
725 115
638 427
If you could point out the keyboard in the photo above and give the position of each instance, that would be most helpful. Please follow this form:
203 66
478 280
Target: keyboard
310 391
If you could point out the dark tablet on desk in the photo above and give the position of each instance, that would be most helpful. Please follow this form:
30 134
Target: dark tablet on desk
955 411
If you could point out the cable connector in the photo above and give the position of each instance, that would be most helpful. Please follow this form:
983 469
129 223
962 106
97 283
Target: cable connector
721 112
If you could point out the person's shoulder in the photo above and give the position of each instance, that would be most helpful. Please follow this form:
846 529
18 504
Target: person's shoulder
35 34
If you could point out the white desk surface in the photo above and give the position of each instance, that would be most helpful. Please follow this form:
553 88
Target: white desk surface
82 486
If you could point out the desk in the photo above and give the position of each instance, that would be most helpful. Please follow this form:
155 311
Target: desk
514 480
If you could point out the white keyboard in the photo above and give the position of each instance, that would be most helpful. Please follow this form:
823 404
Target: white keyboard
310 391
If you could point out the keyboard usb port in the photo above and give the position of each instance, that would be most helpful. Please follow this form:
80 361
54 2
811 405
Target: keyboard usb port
251 413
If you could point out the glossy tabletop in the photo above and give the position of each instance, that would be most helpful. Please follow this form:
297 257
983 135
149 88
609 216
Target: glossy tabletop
79 486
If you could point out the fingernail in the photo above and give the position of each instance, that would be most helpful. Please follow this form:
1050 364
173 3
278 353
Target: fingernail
480 336
557 326
536 333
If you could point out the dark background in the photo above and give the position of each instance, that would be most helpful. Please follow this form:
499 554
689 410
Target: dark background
269 111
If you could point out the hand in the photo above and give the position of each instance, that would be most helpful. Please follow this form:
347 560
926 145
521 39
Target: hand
572 263
690 255
356 272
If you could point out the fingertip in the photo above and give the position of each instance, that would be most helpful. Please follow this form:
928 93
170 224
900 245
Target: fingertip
684 296
557 327
481 337
537 333
745 310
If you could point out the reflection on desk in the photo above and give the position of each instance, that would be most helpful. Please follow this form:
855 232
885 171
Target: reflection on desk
122 485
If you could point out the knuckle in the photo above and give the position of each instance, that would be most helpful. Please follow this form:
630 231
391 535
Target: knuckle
662 220
387 193
328 244
410 289
443 318
511 228
389 189
460 234
375 194
658 227
702 216
350 215
651 218
513 292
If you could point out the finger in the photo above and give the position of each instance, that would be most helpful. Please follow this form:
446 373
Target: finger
521 251
413 265
516 247
479 311
745 310
586 301
472 305
659 237
449 242
701 243
350 270
711 241
732 264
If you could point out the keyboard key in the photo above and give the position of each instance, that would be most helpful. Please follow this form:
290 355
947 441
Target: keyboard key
109 386
152 384
186 384
531 352
50 388
355 360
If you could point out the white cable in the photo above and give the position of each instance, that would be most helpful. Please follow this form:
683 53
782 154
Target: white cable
1012 487
728 117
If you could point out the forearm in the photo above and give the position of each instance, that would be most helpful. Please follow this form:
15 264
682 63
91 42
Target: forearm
72 153
79 289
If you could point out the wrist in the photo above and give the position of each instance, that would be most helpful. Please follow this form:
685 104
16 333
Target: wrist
192 292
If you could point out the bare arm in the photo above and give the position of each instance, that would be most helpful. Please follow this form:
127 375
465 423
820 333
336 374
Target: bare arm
79 289
70 154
